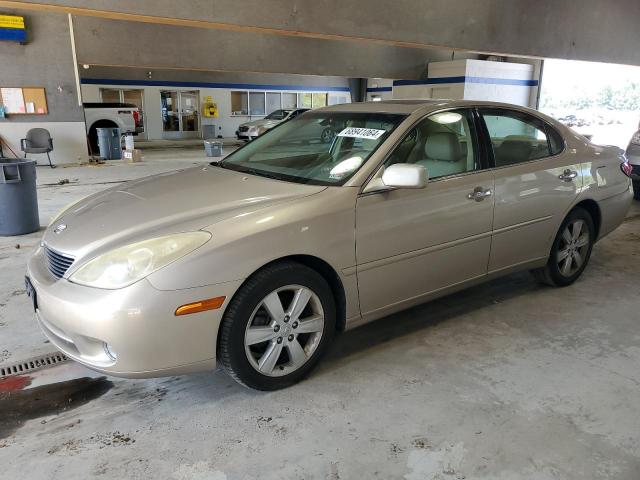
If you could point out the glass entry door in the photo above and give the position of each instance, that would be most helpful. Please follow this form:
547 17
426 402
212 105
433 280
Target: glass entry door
180 113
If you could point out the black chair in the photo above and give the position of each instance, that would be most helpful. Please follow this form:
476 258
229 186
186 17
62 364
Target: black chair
38 141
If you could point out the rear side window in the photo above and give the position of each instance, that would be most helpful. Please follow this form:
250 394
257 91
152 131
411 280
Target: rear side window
556 142
517 137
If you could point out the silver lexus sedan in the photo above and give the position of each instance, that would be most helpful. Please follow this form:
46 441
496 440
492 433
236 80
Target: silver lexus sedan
254 262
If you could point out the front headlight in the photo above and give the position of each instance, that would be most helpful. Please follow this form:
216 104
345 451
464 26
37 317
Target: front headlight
126 265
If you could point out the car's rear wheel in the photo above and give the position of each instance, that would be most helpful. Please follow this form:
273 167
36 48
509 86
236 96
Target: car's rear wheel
571 250
277 326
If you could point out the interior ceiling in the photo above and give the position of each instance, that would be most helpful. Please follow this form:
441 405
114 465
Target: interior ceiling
593 30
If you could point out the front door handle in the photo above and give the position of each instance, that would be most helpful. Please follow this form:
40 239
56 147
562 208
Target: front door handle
479 194
568 175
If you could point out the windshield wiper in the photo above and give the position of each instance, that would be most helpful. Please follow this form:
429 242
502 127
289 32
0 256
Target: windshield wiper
250 170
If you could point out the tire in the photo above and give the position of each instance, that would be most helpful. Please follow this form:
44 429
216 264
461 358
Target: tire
260 342
636 189
578 250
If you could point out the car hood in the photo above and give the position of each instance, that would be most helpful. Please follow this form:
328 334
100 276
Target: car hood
184 200
263 122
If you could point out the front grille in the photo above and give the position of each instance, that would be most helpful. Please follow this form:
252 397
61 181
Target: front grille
57 263
243 129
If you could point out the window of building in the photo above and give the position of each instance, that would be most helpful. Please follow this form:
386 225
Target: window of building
239 103
289 100
319 100
305 100
133 96
256 103
273 102
110 95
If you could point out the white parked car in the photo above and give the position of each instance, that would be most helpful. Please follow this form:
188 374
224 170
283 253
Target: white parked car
250 130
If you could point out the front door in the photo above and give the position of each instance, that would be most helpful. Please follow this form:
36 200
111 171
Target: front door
536 182
180 114
410 243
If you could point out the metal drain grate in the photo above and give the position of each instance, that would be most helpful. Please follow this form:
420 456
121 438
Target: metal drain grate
32 364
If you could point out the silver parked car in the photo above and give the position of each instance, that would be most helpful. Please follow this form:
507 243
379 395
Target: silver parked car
256 261
633 154
250 130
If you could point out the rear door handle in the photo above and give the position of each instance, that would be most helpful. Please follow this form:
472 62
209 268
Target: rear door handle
479 194
568 175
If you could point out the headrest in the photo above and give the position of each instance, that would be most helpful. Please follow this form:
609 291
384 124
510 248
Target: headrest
513 149
443 146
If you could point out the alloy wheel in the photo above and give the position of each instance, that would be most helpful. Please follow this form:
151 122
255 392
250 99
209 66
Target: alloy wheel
284 330
573 247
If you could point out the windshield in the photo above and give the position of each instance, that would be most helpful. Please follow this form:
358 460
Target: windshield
278 115
320 148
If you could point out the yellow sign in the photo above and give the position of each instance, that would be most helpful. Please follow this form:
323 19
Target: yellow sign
210 108
11 21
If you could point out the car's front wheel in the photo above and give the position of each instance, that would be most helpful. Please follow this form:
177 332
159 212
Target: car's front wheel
277 326
571 250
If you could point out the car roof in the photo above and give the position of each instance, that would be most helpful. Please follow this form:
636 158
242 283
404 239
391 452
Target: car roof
410 106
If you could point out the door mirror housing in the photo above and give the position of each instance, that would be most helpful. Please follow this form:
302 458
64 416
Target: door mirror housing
405 175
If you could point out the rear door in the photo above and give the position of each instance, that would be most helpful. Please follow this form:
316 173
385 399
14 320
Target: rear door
537 180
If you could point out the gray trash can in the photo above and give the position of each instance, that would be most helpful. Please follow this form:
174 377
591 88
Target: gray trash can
213 148
109 143
209 131
18 197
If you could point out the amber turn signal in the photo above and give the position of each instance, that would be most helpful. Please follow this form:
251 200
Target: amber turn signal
200 306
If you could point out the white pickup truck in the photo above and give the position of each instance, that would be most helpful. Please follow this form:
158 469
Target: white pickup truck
124 116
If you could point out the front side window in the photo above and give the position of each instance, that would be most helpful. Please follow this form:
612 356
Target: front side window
321 148
443 143
516 137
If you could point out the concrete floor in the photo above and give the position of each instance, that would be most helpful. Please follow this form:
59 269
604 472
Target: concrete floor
504 381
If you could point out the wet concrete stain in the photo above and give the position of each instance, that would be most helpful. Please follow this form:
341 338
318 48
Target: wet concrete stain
14 383
16 407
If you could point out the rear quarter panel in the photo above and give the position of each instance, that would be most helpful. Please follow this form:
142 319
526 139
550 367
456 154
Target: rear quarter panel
604 182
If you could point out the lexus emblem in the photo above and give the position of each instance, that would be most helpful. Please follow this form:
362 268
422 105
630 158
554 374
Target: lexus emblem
60 228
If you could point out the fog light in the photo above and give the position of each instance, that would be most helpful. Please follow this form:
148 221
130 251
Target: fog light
110 353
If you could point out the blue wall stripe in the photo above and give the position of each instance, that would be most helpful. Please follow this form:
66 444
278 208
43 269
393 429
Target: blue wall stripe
463 79
379 89
13 34
239 86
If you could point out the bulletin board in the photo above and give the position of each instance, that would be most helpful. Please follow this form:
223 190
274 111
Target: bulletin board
24 100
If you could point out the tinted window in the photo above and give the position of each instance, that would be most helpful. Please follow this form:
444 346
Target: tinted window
443 143
516 137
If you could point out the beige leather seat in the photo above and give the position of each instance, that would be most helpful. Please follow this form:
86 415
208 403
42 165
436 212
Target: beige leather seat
513 149
443 155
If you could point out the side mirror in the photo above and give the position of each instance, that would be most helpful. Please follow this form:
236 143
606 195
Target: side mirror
405 175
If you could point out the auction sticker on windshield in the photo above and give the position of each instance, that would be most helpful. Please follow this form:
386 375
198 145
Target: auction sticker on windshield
368 133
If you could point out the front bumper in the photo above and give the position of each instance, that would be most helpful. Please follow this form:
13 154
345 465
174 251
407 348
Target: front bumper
248 136
137 323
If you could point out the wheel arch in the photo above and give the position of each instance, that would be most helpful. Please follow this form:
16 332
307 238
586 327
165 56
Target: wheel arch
593 208
92 133
325 270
